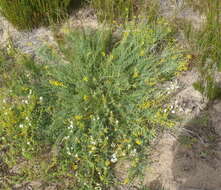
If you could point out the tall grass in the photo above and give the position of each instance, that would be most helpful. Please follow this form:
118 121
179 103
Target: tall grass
119 10
209 40
207 45
26 14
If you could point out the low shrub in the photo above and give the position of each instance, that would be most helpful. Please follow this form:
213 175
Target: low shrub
109 100
102 103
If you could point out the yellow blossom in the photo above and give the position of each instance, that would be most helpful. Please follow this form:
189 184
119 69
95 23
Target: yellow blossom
111 57
189 56
103 54
174 57
107 163
151 82
126 181
56 83
65 29
78 117
126 141
85 79
183 66
139 142
162 60
135 75
85 98
74 166
146 105
126 34
142 53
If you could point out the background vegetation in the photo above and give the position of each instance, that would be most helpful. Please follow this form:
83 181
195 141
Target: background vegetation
25 14
115 10
206 43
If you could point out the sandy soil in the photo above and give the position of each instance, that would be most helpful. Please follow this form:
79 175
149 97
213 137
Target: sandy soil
30 41
190 157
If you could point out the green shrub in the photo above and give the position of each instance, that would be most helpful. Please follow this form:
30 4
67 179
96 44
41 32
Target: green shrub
103 103
109 101
23 115
26 14
15 91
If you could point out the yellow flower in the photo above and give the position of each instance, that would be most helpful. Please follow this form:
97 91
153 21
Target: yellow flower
174 57
56 83
169 30
85 98
142 53
85 79
162 60
146 105
103 54
74 166
139 142
126 34
189 56
107 163
65 29
78 117
111 57
126 140
151 82
126 181
135 75
183 66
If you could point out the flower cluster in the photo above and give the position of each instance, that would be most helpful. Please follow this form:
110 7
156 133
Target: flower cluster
56 83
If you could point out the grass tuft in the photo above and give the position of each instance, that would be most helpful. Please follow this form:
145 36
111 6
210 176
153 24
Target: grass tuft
26 14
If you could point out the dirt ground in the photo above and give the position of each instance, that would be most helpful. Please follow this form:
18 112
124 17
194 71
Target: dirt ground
189 158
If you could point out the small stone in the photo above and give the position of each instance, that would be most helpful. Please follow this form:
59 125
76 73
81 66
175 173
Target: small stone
187 110
35 184
51 187
217 107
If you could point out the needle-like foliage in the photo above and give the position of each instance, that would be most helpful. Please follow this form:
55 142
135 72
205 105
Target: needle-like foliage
26 14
